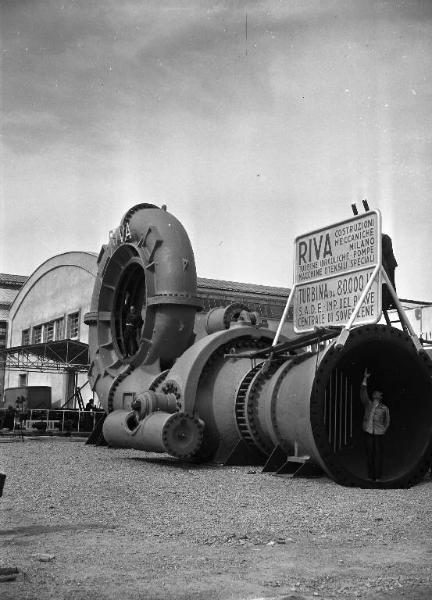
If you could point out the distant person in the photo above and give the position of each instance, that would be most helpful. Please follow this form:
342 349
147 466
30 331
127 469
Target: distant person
132 331
90 405
389 264
376 421
9 418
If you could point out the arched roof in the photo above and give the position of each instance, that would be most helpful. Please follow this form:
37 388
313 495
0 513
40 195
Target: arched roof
86 261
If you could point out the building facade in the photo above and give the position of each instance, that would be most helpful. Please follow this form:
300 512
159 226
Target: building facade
10 285
47 338
420 317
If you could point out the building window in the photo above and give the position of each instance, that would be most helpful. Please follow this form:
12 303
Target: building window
37 334
59 329
23 379
3 332
49 331
73 325
25 340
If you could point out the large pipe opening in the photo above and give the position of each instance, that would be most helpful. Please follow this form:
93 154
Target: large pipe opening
404 378
131 291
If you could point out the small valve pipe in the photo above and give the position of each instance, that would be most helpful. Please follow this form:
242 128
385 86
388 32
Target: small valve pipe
177 434
149 402
122 430
221 317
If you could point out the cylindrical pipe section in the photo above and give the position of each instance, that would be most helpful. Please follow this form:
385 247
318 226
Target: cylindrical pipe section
216 396
289 409
177 434
149 401
220 317
121 429
315 407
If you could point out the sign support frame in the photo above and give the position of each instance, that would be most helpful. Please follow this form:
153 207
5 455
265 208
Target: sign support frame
379 270
284 315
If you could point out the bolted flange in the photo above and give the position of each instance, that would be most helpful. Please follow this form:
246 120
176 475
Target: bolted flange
182 435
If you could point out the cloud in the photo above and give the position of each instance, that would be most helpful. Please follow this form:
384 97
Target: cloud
104 67
110 103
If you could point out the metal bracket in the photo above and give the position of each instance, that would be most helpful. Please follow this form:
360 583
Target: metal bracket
299 466
284 315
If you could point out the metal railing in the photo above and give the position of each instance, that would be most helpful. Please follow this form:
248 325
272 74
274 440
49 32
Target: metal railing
52 420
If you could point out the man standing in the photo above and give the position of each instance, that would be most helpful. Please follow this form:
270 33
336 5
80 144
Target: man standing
376 421
389 263
132 329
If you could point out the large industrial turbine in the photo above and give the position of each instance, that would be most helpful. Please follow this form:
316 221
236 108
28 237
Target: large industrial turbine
148 263
231 397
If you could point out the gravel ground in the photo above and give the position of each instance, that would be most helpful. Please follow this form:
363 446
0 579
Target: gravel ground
85 522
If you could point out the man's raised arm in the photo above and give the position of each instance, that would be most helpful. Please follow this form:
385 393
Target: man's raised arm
364 397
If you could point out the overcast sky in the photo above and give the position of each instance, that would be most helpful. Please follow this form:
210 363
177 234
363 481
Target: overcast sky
251 135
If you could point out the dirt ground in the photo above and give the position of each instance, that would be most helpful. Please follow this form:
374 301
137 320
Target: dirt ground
85 522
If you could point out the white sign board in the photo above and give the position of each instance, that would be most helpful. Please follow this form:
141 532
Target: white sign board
332 267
